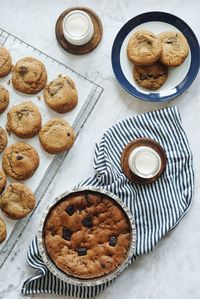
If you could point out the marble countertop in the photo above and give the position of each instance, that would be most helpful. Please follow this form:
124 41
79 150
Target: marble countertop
172 269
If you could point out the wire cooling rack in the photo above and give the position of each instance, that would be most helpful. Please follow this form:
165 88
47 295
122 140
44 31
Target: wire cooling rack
95 91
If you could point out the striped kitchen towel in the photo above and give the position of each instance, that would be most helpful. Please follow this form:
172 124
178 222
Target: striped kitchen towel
157 208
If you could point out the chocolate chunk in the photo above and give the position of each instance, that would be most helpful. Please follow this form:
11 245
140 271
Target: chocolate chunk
67 233
82 251
18 157
87 222
70 210
88 199
68 134
113 241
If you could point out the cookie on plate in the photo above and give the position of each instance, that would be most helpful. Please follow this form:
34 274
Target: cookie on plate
17 201
3 180
24 120
56 136
20 161
3 139
175 48
4 99
29 75
144 48
61 94
5 62
3 231
150 77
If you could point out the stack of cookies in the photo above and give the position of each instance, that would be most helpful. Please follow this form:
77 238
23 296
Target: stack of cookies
152 55
20 160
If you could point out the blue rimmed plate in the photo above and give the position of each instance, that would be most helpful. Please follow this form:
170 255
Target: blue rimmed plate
179 78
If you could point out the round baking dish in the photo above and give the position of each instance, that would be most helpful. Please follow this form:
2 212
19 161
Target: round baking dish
94 281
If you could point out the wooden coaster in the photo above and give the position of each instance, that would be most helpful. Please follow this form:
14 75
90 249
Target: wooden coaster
83 49
130 147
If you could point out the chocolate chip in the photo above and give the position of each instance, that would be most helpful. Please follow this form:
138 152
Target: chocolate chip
67 233
82 251
87 222
143 77
70 210
23 70
18 157
68 134
113 241
103 266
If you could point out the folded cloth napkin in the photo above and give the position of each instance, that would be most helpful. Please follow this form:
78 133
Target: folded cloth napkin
157 208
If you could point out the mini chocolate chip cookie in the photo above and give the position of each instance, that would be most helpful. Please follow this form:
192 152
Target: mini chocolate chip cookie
144 48
24 120
61 94
5 62
150 77
175 48
29 75
3 180
20 161
17 201
4 99
3 139
3 231
56 136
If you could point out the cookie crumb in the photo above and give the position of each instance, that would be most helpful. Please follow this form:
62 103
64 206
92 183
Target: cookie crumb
39 97
8 83
60 76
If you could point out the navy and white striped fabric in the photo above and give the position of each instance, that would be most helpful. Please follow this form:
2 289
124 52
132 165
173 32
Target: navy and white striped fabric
157 208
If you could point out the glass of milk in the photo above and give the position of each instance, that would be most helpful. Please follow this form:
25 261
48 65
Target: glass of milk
78 28
144 162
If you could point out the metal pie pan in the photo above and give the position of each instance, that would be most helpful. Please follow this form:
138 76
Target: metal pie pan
78 281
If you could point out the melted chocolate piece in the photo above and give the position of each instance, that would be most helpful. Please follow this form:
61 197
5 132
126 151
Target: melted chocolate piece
67 233
18 157
87 222
23 70
70 210
113 241
82 251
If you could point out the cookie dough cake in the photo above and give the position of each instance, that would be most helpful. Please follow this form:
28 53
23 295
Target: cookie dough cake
5 62
175 48
3 231
4 99
24 120
20 161
61 94
56 136
150 77
87 235
17 201
144 48
29 75
3 140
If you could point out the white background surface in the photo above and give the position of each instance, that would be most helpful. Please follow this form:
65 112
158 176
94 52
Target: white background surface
172 270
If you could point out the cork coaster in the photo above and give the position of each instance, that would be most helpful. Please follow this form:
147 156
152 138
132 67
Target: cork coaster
88 47
130 147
